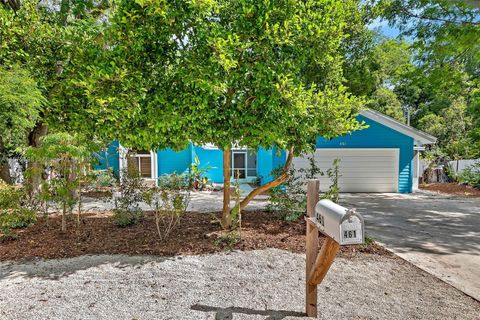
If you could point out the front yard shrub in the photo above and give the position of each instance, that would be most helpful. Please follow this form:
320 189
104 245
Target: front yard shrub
169 203
124 218
197 176
10 196
227 240
12 214
16 218
174 181
471 175
450 173
67 158
127 205
104 179
289 200
333 174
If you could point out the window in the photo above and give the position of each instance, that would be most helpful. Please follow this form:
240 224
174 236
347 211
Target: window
244 163
142 161
251 163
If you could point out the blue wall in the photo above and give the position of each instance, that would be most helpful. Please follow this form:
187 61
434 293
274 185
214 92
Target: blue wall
170 161
265 164
379 136
109 159
212 158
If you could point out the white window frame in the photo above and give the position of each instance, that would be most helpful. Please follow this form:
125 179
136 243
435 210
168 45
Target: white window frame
244 151
154 163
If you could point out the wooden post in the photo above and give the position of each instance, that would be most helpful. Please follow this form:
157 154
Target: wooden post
311 248
324 261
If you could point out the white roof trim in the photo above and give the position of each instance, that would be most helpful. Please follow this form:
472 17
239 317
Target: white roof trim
420 138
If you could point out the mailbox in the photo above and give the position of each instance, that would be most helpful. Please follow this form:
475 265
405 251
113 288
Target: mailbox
343 225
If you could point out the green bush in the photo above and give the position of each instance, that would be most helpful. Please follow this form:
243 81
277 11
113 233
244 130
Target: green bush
127 207
471 175
289 199
104 178
174 181
228 240
127 217
10 196
16 218
168 205
12 215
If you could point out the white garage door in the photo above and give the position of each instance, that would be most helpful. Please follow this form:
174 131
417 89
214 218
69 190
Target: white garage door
361 170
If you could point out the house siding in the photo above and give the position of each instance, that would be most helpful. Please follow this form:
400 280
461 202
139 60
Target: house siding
170 161
109 159
379 136
212 158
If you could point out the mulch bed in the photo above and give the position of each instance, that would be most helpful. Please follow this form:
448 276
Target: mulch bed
196 234
452 188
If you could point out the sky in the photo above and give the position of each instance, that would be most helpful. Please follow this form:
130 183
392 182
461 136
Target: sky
383 28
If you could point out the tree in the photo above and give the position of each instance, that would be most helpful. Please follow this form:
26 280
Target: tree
65 156
251 73
387 102
20 101
444 37
47 41
381 73
451 129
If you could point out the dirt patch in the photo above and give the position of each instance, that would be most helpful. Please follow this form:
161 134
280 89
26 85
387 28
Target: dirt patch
197 234
452 188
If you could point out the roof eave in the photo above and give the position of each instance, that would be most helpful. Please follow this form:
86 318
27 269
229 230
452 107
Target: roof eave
420 138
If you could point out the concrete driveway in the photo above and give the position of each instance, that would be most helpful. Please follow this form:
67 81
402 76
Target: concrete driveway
439 234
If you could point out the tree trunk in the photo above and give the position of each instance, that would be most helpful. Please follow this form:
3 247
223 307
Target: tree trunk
272 184
64 217
226 218
35 168
4 165
5 173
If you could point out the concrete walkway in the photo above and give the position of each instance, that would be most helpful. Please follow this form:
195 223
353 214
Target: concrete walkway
200 201
439 234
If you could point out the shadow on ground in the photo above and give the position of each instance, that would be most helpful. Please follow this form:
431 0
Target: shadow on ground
57 269
227 313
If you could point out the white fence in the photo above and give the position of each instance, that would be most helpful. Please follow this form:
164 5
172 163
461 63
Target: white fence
460 165
438 174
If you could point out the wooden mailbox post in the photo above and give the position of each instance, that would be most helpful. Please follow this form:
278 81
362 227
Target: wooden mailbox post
339 225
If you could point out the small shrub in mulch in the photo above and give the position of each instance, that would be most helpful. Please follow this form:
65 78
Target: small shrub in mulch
196 234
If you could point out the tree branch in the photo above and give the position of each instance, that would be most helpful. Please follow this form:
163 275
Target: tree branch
272 184
417 16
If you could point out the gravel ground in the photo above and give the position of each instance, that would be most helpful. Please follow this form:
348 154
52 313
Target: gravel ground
263 284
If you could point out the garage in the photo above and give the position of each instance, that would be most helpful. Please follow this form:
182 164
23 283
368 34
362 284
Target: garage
383 157
361 170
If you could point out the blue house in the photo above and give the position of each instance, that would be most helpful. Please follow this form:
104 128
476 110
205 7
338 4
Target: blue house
382 158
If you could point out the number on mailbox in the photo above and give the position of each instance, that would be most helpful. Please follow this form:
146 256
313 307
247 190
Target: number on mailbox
351 231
